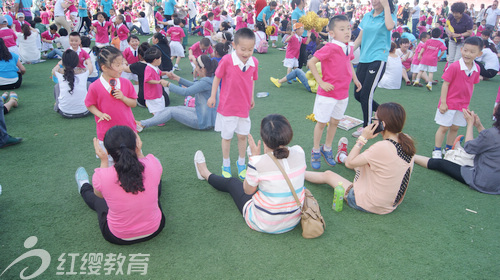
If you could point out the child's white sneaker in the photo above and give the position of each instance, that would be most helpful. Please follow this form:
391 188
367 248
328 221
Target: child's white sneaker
437 154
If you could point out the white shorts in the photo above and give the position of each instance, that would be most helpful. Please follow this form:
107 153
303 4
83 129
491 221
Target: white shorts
291 63
123 45
101 45
216 24
176 49
415 68
427 68
155 105
451 117
326 108
273 38
230 125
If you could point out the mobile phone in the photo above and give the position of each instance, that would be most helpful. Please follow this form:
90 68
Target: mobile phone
379 128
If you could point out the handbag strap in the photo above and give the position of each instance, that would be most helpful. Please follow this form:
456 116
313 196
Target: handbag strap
286 179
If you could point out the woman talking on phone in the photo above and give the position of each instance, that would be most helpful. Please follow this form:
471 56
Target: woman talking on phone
383 170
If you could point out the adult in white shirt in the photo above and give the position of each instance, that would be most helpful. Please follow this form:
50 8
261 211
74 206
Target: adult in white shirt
28 49
492 15
59 16
488 63
148 9
415 17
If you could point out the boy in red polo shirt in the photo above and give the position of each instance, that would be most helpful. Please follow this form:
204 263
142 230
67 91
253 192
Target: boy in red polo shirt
456 93
333 91
75 42
238 72
208 28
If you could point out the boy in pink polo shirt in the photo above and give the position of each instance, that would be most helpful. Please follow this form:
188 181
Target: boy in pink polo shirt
238 72
415 63
121 31
153 84
333 91
102 29
176 49
75 42
208 28
428 57
295 41
456 93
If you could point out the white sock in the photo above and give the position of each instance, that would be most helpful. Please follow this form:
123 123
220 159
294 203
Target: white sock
226 162
342 157
315 150
176 65
429 83
241 161
326 148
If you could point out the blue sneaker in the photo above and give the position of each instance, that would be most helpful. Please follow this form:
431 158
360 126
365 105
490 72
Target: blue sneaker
242 170
328 156
315 160
81 177
226 172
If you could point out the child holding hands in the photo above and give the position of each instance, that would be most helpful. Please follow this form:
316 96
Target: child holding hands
153 84
428 57
333 91
238 73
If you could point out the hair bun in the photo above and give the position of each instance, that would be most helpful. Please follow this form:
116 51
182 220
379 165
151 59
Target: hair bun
281 152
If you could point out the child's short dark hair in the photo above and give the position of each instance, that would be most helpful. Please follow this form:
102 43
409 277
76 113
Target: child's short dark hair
404 41
205 42
74 34
243 33
436 33
37 20
209 15
177 21
142 14
120 17
151 54
276 19
102 14
143 48
132 37
183 21
335 19
157 27
224 13
53 27
86 42
400 20
486 33
62 32
423 35
474 41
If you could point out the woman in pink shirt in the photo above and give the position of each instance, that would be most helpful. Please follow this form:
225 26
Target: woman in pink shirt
125 196
383 170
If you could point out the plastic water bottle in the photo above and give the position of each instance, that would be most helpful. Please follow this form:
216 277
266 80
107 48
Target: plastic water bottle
262 94
0 189
338 198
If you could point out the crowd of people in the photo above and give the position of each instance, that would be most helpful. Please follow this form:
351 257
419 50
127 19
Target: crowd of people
105 70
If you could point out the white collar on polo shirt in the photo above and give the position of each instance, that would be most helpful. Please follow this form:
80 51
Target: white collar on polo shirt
340 44
155 68
106 84
465 69
134 52
237 61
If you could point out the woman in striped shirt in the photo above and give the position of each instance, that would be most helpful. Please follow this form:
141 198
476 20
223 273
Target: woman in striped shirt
264 198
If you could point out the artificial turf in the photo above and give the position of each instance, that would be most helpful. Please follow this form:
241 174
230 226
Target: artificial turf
430 235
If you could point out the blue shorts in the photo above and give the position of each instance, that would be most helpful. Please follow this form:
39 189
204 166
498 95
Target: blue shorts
351 201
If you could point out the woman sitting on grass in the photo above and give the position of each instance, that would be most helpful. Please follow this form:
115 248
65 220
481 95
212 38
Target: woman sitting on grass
485 174
382 171
126 195
264 198
201 116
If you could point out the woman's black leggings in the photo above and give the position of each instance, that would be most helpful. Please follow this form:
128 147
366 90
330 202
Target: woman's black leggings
447 167
232 186
99 205
369 74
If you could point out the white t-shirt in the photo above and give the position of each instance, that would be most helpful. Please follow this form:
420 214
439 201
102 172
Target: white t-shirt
73 103
491 19
64 41
144 24
393 74
58 9
490 59
416 13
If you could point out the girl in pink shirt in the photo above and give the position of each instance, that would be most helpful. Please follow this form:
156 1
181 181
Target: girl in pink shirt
176 49
240 20
250 19
125 196
110 98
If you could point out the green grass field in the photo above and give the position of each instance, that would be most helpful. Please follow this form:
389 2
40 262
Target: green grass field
429 236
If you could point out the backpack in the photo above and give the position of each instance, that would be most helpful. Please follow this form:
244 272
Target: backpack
263 45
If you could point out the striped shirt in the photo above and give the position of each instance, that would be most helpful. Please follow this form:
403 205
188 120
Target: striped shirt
272 208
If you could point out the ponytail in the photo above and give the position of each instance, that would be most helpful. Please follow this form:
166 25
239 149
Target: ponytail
129 170
407 144
70 60
120 142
